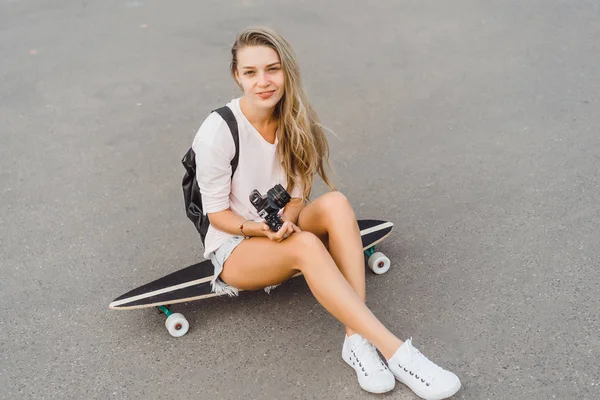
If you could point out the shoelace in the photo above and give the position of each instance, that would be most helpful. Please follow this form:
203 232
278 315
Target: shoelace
368 354
424 367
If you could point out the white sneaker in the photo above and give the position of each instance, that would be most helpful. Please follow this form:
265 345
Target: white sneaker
373 375
424 377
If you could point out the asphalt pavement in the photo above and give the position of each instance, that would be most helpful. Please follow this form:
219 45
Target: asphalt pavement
473 126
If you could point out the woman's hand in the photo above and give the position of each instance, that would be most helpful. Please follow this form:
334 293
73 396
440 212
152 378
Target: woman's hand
285 232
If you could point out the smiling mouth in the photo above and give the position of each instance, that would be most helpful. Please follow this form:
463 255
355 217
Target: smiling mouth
267 92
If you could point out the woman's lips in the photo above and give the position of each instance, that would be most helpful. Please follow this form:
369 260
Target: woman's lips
265 95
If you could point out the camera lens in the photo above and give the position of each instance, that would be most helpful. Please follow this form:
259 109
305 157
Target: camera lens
279 196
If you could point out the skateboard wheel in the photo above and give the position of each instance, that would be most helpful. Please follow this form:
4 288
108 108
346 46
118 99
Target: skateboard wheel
379 263
177 325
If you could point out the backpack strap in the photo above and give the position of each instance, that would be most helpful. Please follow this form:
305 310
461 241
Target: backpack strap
227 115
191 192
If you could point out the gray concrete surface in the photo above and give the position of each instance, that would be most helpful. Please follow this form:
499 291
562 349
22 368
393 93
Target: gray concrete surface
474 126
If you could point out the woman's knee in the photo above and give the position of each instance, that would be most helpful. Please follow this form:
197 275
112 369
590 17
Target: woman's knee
305 244
333 203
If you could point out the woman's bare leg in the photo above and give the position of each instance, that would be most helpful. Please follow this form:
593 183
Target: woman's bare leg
332 219
260 262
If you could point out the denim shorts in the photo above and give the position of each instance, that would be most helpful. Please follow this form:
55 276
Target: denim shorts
218 258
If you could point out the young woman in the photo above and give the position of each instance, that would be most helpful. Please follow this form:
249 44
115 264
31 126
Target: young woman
282 142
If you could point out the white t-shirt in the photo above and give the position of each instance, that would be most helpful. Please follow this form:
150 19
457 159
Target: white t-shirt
259 168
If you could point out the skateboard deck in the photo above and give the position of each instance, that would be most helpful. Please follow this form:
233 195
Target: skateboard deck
194 282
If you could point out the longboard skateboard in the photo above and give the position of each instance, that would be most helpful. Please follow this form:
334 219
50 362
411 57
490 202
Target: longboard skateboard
193 282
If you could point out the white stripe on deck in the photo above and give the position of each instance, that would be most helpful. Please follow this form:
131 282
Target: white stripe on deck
160 291
376 228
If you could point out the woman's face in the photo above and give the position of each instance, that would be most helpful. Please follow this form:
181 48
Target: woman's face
260 75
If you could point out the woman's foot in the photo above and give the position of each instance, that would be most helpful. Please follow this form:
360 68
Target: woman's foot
373 375
425 378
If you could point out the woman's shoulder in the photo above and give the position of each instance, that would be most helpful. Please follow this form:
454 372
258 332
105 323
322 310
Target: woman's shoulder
212 127
213 131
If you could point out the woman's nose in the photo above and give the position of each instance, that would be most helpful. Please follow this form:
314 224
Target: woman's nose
262 79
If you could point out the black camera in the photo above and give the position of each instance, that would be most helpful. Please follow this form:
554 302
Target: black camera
268 206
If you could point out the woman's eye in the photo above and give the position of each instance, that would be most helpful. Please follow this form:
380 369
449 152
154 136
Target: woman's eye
248 72
273 68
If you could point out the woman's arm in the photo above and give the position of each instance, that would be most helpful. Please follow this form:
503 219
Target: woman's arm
292 210
229 221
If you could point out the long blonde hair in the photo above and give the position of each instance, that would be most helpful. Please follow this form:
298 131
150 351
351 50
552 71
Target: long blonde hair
303 147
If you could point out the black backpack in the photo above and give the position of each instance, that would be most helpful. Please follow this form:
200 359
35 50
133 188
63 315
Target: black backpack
191 191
